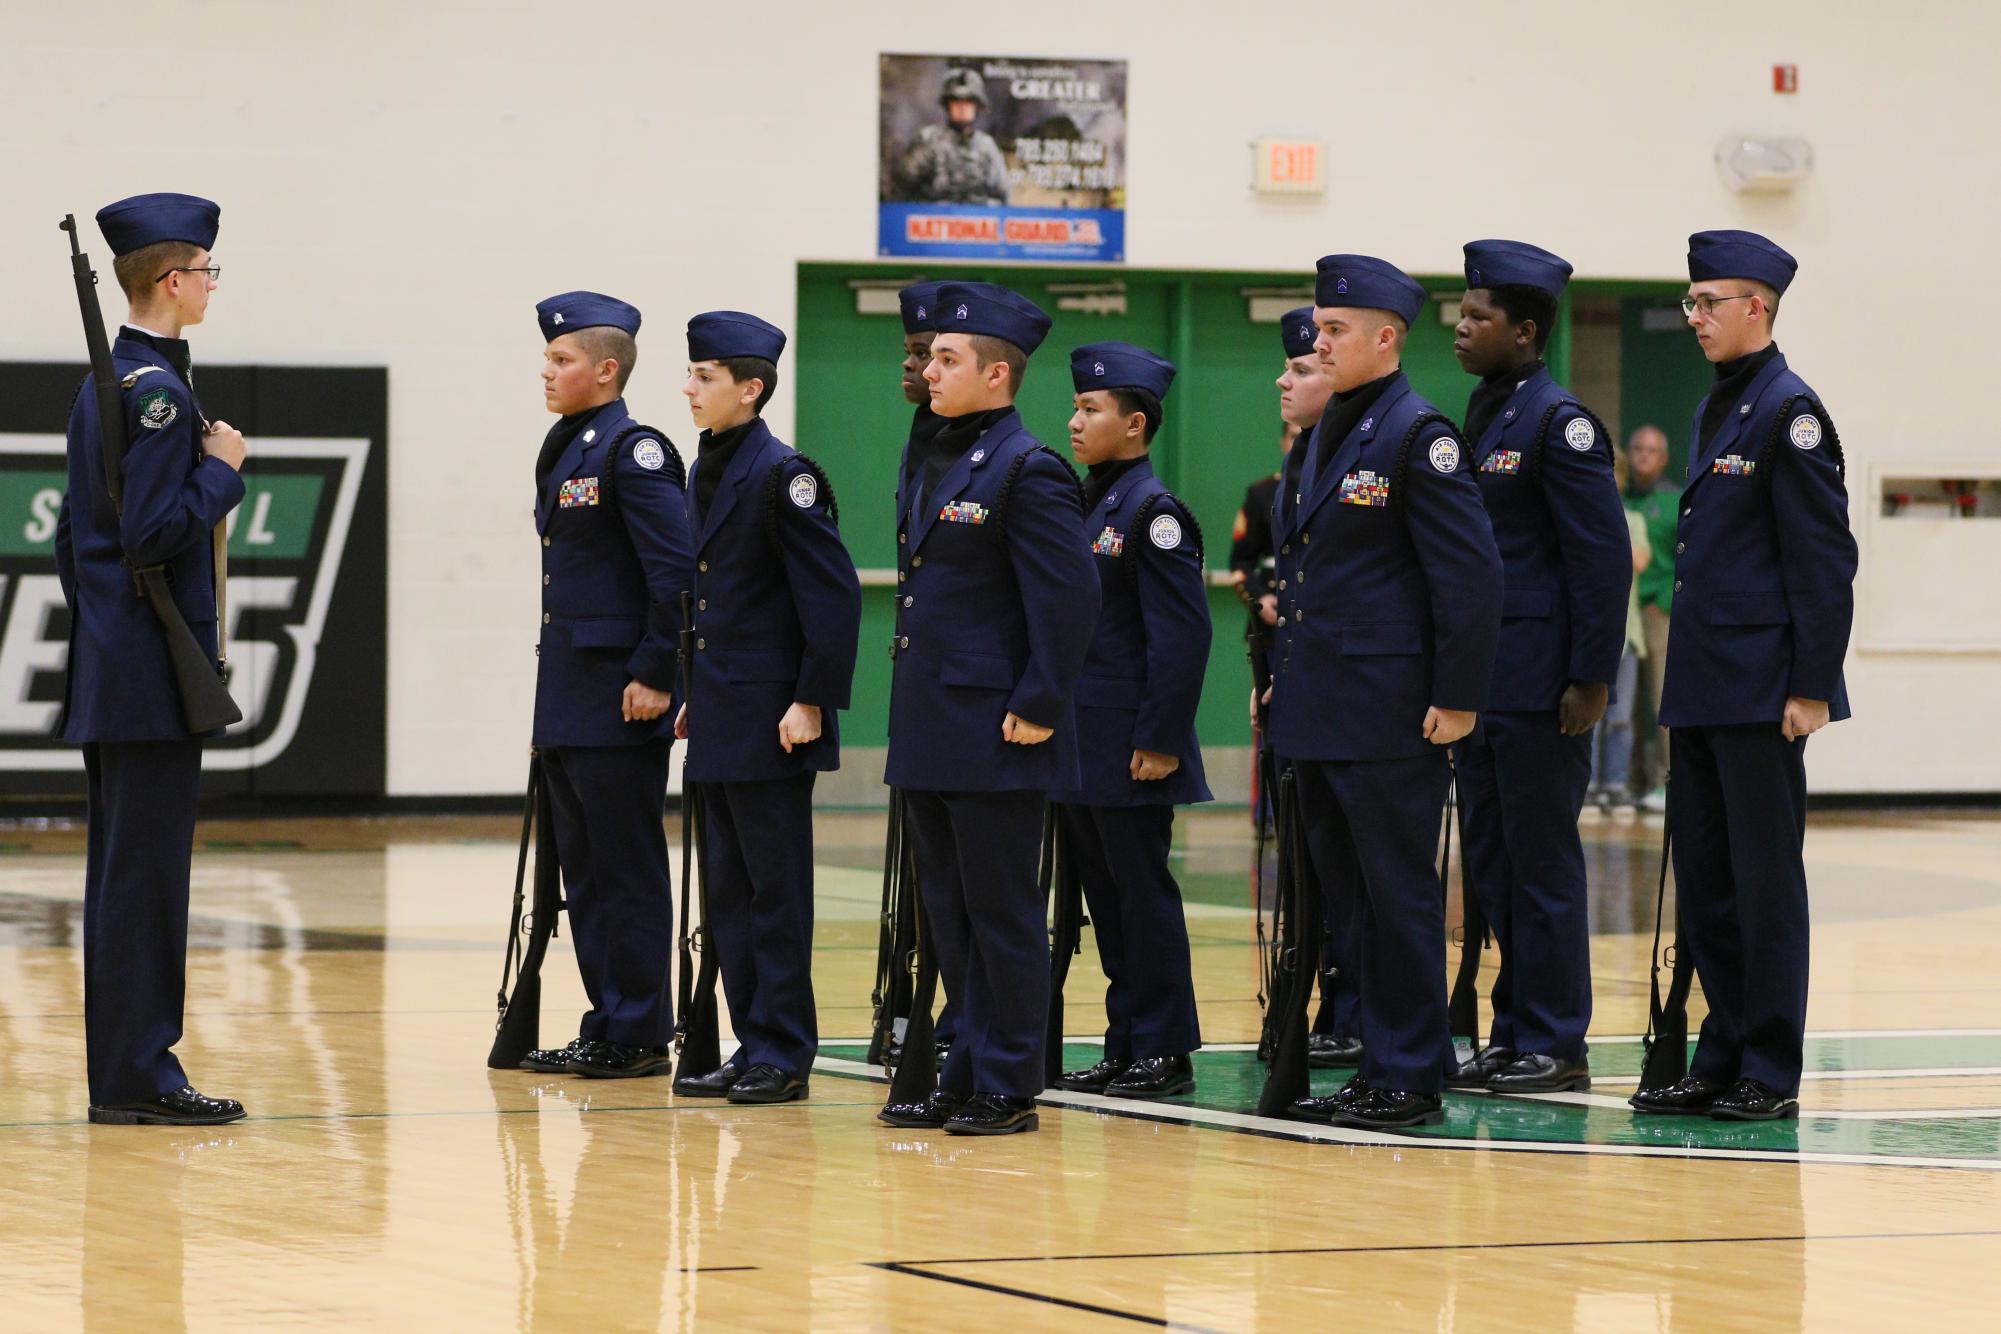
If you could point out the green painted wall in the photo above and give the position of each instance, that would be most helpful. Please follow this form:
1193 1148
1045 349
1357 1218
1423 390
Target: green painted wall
1221 431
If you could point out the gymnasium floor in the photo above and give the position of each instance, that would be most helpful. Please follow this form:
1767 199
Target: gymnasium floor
341 983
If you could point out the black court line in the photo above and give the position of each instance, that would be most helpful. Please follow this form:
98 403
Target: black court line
722 1269
898 1267
1451 1246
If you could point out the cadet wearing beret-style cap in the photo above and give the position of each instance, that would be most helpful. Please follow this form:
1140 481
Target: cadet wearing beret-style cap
1763 603
141 762
1544 467
1136 723
615 557
777 614
994 611
1389 608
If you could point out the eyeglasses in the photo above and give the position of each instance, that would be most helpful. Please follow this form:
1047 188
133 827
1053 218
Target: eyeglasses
214 272
1706 304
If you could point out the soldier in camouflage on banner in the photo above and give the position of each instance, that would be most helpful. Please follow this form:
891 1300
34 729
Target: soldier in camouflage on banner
957 162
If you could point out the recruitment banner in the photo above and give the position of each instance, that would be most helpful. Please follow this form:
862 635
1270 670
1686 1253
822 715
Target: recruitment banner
308 582
1002 157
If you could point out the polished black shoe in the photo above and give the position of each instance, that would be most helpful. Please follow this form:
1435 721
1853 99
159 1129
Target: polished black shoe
1542 1074
930 1114
616 1060
182 1107
1327 1051
993 1114
1323 1109
1749 1100
1391 1109
556 1060
1688 1096
714 1084
1093 1079
1483 1066
1155 1077
767 1083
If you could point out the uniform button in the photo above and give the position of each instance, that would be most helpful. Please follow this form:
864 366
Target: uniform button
908 600
703 605
1677 585
903 641
1680 547
1299 615
703 567
538 650
1690 510
1281 585
1299 578
902 575
701 643
916 561
545 581
1285 550
545 541
1281 620
1306 537
545 618
903 539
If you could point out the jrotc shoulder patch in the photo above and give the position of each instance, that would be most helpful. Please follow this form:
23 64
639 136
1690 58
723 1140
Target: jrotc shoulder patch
1580 435
156 409
1445 454
1805 431
803 490
649 455
1165 532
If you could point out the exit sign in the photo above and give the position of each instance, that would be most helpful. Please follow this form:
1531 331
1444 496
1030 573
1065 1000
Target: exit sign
1289 166
1785 78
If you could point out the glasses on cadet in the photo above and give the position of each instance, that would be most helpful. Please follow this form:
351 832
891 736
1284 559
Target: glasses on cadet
1707 304
214 272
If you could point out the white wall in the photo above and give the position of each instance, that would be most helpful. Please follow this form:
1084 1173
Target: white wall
401 182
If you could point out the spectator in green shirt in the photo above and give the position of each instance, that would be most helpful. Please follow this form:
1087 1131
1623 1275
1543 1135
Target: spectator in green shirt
1658 502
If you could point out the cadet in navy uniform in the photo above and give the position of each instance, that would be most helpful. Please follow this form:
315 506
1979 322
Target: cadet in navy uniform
777 613
1303 391
996 602
142 766
1136 724
1390 591
1763 601
1544 467
615 561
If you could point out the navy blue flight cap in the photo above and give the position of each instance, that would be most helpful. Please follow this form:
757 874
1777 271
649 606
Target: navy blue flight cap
987 308
1120 366
1516 264
1298 332
143 220
1730 254
920 304
721 334
572 311
1364 280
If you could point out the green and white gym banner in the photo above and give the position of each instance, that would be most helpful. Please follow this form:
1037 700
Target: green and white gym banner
307 581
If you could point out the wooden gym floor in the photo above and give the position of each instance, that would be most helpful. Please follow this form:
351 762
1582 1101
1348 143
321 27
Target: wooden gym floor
341 983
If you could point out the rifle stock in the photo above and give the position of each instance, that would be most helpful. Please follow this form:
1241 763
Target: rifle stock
1666 1041
1064 889
1463 1010
517 1030
697 1039
1298 950
896 940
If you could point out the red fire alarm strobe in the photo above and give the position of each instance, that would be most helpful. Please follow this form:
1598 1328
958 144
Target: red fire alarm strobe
1785 78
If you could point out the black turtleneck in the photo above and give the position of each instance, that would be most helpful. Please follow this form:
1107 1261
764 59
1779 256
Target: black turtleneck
1344 411
1103 475
553 444
932 454
1733 378
715 453
1491 395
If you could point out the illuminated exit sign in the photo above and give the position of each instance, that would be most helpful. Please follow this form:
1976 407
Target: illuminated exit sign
1289 167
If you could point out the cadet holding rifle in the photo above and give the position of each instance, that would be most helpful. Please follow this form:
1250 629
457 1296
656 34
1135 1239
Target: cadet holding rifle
150 482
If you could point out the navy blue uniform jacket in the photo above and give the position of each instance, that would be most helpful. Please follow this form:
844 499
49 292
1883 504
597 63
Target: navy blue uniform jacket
1765 565
1143 675
1389 588
773 627
121 682
615 561
995 603
1561 531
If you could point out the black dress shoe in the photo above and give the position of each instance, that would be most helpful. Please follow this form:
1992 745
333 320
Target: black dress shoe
714 1084
1542 1074
930 1114
1749 1100
1155 1077
616 1060
1328 1051
993 1114
182 1107
1688 1096
1093 1079
1391 1109
1323 1109
767 1083
556 1060
1483 1066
